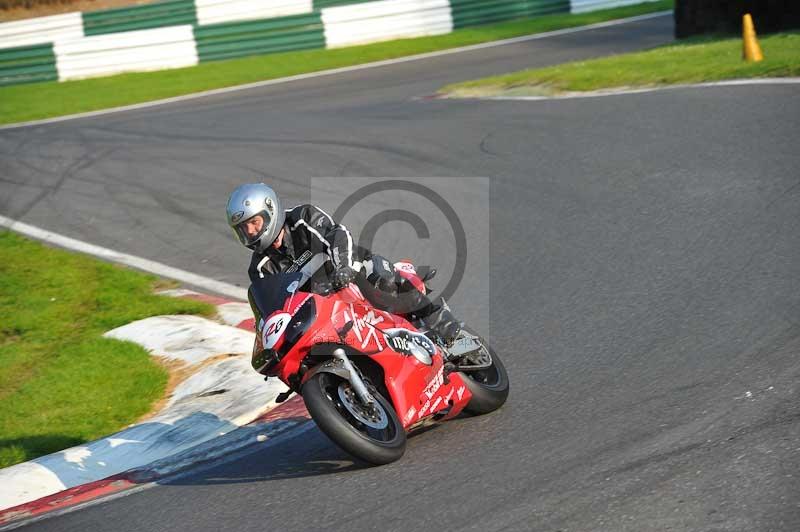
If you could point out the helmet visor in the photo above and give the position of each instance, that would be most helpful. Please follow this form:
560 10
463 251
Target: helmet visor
250 230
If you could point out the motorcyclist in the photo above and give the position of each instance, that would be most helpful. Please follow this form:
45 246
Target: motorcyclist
306 239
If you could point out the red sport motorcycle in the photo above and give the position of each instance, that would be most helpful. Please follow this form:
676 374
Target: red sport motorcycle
368 377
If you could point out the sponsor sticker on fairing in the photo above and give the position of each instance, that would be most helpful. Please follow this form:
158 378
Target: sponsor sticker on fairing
460 392
424 408
436 403
364 327
410 343
435 384
409 415
449 395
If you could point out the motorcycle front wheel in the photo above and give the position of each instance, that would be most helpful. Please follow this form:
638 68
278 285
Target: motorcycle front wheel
371 434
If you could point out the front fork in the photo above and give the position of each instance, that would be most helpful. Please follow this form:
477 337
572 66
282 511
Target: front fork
355 377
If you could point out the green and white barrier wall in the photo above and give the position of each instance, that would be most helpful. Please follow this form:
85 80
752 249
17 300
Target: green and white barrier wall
180 33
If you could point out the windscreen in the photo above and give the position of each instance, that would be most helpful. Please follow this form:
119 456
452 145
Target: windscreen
271 292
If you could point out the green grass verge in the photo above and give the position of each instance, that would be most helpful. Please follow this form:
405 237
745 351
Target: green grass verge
44 100
61 382
692 61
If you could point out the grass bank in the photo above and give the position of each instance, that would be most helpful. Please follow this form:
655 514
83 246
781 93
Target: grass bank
44 100
61 382
692 61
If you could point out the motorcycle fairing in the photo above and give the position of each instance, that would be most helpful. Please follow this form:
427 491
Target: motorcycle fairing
417 388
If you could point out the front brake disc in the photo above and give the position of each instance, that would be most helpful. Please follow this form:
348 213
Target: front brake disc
372 416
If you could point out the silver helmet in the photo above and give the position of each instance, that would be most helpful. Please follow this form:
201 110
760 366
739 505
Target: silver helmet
257 207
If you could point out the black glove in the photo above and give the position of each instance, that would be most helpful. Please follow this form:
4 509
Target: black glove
343 277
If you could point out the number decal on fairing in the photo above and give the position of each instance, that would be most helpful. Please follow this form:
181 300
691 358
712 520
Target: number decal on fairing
405 266
274 328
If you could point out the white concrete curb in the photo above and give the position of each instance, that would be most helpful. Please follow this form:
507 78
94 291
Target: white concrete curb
620 92
188 339
216 400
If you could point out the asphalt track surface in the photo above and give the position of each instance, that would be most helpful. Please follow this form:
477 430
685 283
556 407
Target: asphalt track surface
645 290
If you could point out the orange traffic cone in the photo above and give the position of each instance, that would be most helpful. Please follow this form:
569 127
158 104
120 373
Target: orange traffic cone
752 51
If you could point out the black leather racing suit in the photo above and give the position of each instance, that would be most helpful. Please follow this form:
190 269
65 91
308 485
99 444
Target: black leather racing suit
315 244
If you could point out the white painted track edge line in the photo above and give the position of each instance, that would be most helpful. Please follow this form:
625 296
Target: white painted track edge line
611 92
342 70
138 263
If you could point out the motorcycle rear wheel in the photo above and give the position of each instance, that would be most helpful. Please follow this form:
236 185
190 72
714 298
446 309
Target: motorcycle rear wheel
489 387
381 442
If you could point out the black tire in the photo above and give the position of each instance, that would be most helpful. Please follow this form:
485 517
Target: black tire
489 387
320 394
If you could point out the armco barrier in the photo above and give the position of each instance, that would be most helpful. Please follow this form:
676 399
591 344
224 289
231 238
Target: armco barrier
154 49
158 15
584 6
179 33
239 39
28 64
218 11
476 12
322 4
41 30
385 20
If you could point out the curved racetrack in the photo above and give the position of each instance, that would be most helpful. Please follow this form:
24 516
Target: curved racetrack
645 289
